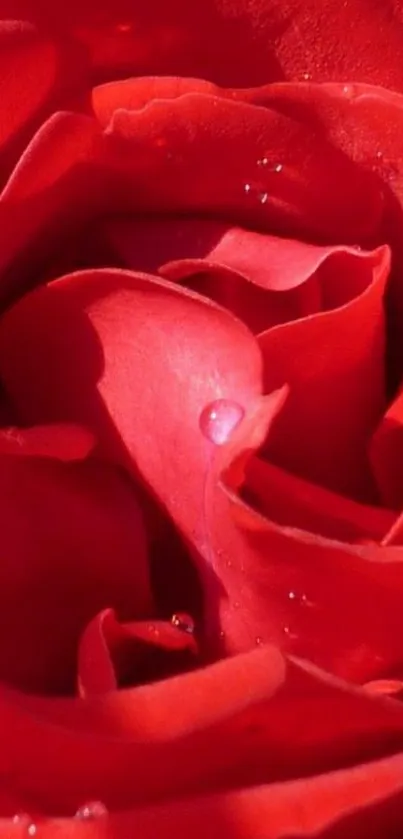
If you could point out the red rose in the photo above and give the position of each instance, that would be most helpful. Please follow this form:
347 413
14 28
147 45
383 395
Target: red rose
201 419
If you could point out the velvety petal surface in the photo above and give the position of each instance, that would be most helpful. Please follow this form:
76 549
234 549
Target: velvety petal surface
73 542
38 73
173 155
262 279
249 721
119 368
249 42
113 653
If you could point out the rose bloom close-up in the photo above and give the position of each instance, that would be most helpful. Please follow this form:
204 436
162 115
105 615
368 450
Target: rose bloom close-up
201 419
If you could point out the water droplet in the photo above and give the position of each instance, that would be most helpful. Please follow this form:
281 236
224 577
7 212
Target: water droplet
219 419
263 161
92 810
247 188
222 634
184 623
236 604
229 563
298 598
290 635
379 155
258 641
348 91
306 77
25 820
278 167
263 196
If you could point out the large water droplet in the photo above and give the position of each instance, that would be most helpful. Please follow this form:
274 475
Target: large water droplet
91 810
306 77
184 623
219 419
247 188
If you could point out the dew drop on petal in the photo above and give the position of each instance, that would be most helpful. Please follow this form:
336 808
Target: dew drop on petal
219 419
263 161
263 196
91 810
247 188
278 167
25 821
258 641
306 77
348 91
184 623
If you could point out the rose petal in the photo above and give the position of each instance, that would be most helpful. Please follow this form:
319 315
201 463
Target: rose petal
73 542
110 337
274 40
206 731
64 442
354 117
160 155
120 368
334 362
37 73
360 802
53 188
385 450
262 279
293 502
134 653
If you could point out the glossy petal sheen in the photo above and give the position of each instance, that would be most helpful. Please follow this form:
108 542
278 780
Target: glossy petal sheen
334 363
206 732
119 368
262 279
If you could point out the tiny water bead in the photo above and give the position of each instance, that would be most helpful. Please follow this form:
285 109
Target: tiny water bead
348 90
265 163
301 599
184 623
256 192
25 821
219 419
92 810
